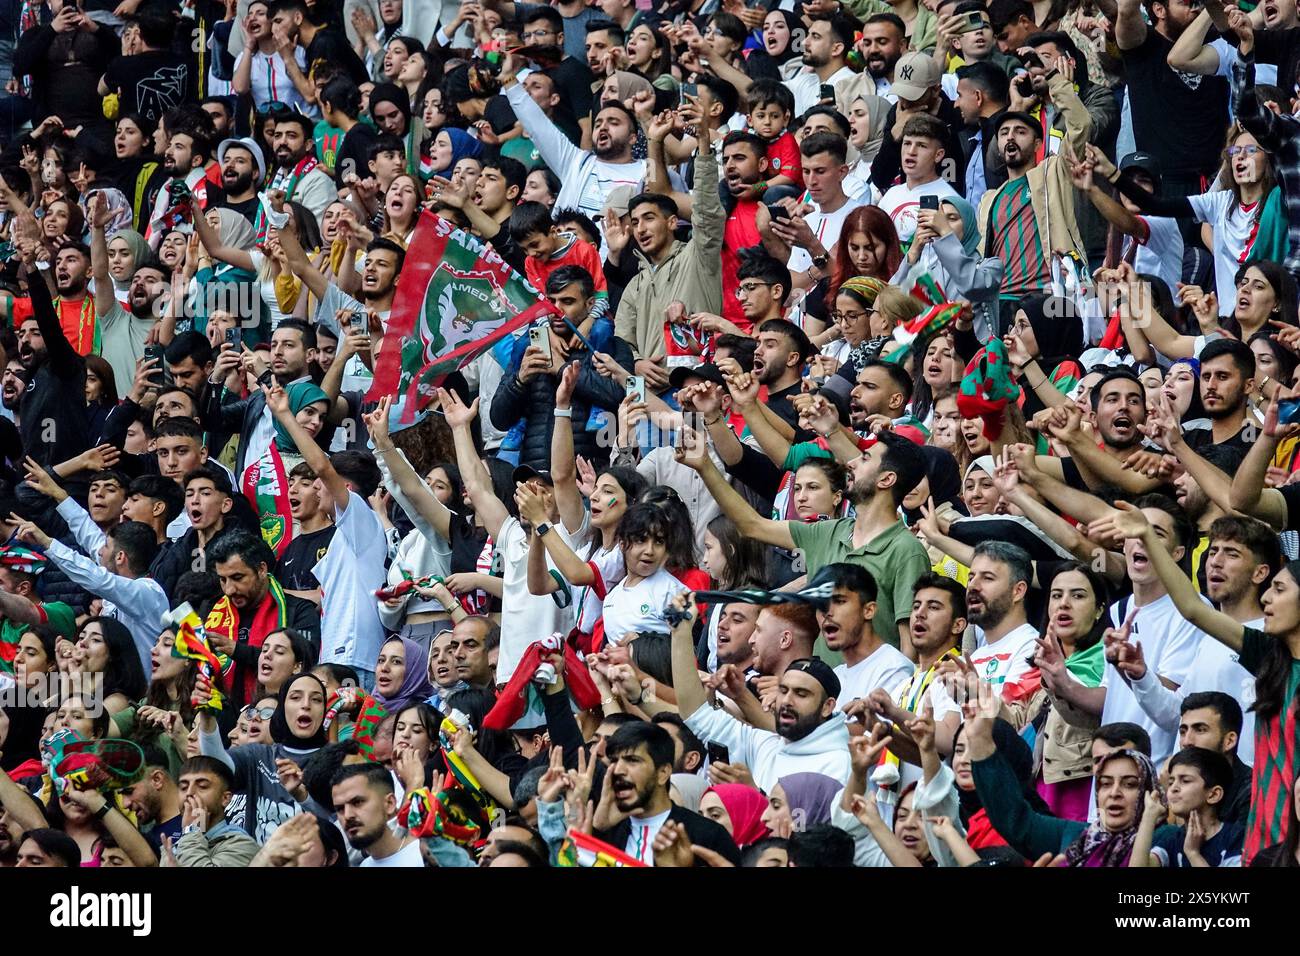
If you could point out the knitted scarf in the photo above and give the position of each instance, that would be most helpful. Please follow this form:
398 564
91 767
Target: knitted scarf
271 615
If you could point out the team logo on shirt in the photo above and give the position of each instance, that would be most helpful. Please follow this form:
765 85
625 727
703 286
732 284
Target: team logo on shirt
645 608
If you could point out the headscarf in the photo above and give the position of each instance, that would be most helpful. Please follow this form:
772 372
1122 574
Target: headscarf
391 93
983 463
120 215
1057 328
945 481
691 788
810 794
415 682
864 287
280 731
796 27
301 394
234 230
141 254
1097 846
746 807
462 145
629 84
970 233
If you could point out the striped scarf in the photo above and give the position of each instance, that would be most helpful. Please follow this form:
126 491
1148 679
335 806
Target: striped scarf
271 615
305 166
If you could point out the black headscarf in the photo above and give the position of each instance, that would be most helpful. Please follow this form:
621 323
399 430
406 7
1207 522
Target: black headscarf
282 734
798 33
392 93
1057 328
945 481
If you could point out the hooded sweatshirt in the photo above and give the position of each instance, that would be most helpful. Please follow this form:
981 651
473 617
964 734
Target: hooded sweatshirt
768 755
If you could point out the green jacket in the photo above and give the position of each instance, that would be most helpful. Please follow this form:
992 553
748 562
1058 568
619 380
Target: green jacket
925 28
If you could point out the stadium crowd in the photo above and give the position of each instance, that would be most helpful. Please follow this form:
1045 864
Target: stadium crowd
902 473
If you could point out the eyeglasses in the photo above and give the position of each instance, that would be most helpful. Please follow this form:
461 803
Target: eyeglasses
261 713
749 288
848 317
1244 150
536 34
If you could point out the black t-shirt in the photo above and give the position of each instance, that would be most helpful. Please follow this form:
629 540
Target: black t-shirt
248 208
301 556
354 153
1180 118
1291 495
333 46
150 83
573 79
1199 439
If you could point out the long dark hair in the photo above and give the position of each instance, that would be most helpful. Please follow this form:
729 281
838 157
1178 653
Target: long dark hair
1271 679
431 719
123 673
1100 592
679 532
746 557
157 696
107 380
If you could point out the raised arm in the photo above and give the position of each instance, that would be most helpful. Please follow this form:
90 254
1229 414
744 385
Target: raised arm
1190 53
1248 494
693 453
412 486
106 301
478 483
691 695
211 239
1126 521
564 464
532 508
277 400
1130 28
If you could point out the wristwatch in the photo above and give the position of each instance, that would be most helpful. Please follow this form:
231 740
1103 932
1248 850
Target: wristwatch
822 261
103 811
542 528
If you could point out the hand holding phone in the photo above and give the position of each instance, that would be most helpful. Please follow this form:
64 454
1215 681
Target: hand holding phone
540 338
636 388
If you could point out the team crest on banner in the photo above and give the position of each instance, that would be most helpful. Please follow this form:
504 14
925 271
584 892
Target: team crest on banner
455 299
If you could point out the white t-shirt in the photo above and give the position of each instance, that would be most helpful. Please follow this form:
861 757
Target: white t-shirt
640 842
349 574
269 81
408 855
1161 254
1169 645
826 227
807 88
902 203
1235 229
639 607
608 565
884 667
1006 660
525 617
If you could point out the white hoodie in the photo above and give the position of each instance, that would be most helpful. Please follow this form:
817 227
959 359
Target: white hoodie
768 755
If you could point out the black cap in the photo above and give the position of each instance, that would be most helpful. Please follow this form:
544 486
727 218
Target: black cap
526 472
1143 161
1022 117
820 671
708 371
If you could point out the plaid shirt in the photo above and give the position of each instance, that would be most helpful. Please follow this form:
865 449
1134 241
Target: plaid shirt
1280 135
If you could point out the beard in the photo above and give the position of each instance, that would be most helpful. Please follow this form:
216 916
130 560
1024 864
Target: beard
814 60
803 726
993 612
365 839
640 798
610 152
238 185
881 66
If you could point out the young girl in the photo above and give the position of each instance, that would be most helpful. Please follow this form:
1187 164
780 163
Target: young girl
104 646
637 601
284 653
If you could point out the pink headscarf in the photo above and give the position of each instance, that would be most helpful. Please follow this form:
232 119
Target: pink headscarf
745 806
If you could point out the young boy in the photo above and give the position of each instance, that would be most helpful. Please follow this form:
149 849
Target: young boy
386 159
546 249
770 105
1198 782
921 156
313 532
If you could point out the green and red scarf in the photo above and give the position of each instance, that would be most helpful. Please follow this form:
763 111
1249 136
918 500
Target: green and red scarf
271 615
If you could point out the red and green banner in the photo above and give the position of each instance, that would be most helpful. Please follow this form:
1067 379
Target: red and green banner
266 486
455 299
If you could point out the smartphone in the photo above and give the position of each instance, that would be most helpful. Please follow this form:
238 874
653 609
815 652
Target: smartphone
636 387
234 335
690 89
155 352
930 202
1288 411
1025 85
718 753
827 92
779 212
360 323
974 21
540 338
265 379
